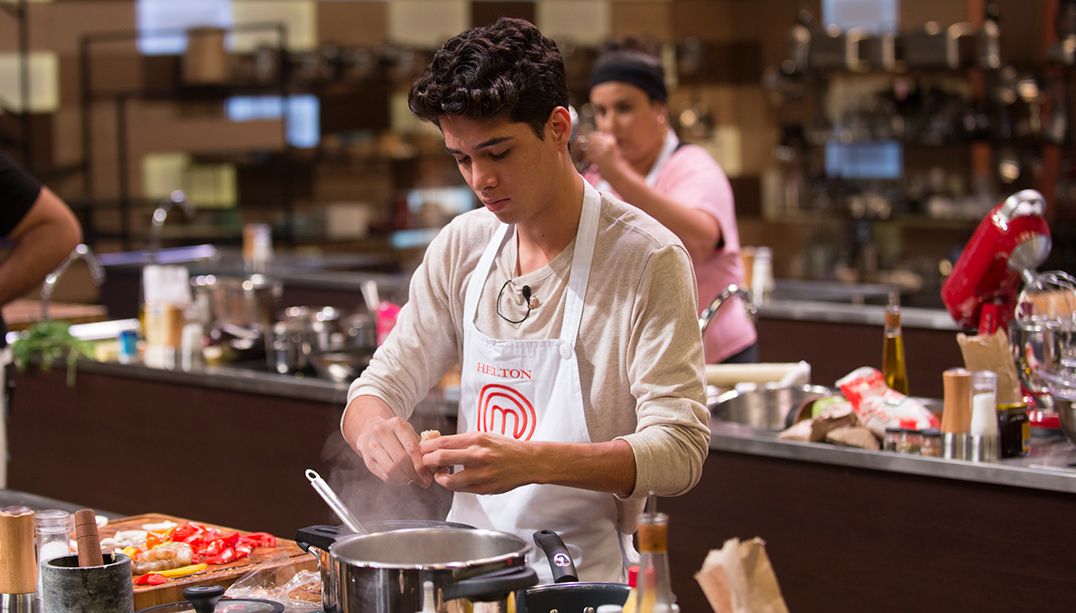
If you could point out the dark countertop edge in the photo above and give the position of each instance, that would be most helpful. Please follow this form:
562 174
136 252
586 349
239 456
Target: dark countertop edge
1020 472
843 313
231 379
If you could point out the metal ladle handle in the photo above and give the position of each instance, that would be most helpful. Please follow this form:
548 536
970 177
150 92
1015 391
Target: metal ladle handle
329 496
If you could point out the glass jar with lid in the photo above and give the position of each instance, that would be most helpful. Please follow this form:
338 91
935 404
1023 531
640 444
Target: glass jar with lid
892 438
931 443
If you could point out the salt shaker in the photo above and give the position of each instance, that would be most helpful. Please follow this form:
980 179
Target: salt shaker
984 442
51 529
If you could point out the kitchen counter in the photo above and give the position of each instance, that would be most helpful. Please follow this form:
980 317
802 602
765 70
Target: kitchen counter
858 314
842 526
1049 465
231 378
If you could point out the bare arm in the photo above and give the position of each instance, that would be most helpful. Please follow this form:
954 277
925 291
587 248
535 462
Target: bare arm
43 238
387 443
698 230
497 464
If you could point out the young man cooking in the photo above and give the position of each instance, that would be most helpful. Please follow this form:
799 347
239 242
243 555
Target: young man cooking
571 314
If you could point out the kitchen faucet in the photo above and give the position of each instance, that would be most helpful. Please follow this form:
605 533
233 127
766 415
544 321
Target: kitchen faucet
719 301
80 252
160 215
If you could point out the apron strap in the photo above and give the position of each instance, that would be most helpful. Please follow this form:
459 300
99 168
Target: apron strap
481 274
582 257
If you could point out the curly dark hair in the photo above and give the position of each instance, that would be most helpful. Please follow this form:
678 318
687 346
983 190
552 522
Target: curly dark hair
508 69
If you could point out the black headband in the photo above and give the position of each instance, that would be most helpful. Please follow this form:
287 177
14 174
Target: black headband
647 78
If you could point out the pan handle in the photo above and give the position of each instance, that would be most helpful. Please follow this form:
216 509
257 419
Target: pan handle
492 586
560 561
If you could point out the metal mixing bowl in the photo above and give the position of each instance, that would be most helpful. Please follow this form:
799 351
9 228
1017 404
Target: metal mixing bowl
1063 390
767 407
345 365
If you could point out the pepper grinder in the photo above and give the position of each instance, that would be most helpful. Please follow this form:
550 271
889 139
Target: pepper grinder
956 415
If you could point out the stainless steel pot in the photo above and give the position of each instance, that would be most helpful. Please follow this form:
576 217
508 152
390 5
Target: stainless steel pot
323 326
385 571
248 302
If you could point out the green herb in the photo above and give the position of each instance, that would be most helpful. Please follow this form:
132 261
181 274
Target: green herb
48 341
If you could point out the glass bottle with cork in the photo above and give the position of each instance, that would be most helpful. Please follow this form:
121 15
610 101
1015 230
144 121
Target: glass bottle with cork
894 369
654 588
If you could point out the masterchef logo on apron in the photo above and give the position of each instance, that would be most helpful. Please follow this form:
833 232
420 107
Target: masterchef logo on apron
498 405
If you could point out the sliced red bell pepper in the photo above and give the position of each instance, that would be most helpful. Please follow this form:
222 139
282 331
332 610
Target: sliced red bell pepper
226 556
151 579
259 539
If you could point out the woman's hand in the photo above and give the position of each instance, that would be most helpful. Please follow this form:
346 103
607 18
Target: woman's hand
491 464
390 449
603 151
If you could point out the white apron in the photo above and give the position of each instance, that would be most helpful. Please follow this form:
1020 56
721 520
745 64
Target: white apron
529 390
667 149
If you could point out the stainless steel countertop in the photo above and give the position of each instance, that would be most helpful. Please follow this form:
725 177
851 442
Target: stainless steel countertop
231 378
1049 466
845 313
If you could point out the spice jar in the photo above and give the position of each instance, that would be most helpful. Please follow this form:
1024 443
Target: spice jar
910 441
931 444
892 438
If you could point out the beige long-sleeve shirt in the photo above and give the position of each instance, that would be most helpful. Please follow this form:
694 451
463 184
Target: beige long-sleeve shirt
639 348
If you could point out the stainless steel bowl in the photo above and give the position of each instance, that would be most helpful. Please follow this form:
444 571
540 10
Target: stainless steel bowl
768 407
1063 390
344 365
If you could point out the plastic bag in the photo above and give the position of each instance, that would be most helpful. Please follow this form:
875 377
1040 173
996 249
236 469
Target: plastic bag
880 407
278 580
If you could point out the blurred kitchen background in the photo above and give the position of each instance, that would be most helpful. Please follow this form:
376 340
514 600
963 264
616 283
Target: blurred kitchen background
865 139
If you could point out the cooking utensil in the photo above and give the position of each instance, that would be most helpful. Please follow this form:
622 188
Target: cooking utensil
566 593
322 324
385 572
329 496
370 295
341 366
1063 391
767 407
290 345
317 540
207 599
556 552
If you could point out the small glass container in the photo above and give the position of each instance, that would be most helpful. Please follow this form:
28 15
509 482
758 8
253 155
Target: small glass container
1014 430
892 438
910 441
931 444
51 531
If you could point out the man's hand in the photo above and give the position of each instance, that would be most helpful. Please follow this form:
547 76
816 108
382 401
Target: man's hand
388 444
491 464
603 151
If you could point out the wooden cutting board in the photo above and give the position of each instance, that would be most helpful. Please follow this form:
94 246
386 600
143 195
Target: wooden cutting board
224 574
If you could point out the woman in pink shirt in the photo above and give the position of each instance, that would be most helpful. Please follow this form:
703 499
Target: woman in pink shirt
635 155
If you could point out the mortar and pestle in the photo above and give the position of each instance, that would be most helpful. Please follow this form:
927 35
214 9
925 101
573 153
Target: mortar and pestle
88 581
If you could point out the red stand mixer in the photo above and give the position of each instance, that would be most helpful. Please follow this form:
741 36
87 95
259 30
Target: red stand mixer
1000 262
1009 244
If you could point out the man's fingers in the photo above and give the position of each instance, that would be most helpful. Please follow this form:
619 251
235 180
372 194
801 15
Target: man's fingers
409 442
394 462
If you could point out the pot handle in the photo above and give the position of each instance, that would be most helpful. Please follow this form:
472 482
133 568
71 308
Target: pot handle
560 561
492 586
321 537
